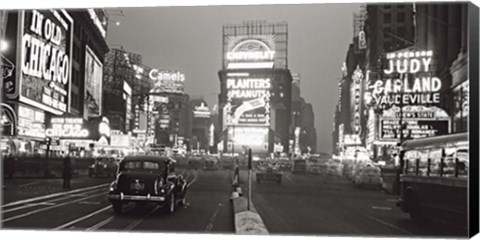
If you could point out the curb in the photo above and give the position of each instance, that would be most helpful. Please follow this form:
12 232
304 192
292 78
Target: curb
247 222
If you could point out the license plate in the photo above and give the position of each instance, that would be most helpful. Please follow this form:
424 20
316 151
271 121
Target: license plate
137 186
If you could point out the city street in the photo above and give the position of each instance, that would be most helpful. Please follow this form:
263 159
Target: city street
156 113
208 209
314 204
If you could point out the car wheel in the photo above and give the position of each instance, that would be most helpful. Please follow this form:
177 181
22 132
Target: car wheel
171 204
117 207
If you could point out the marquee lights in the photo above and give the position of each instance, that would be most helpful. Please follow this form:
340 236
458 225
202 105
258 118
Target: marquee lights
266 55
403 90
67 128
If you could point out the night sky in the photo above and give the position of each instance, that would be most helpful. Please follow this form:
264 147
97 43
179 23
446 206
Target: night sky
189 39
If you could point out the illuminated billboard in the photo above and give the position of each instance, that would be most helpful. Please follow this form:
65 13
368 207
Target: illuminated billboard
419 121
410 94
257 51
408 81
255 138
93 85
248 101
167 81
45 64
256 44
67 128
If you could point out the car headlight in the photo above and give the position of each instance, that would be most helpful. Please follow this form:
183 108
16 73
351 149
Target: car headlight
113 186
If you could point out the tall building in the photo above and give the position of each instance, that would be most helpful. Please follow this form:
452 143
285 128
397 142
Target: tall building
170 121
119 75
442 28
255 98
37 103
201 123
433 35
388 28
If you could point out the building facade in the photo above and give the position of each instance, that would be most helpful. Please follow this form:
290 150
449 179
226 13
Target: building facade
201 123
255 88
58 86
119 75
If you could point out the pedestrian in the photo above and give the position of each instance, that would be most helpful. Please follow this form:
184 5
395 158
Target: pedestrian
67 171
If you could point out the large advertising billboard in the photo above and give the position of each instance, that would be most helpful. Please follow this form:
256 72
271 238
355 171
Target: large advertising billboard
243 138
167 81
45 63
247 52
93 85
248 101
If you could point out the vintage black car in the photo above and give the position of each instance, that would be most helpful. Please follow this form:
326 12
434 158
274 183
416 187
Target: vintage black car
147 179
103 166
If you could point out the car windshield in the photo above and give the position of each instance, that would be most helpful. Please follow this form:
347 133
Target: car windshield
141 165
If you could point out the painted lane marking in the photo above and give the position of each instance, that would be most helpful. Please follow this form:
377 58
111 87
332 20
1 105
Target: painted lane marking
136 223
28 184
82 218
53 195
89 203
48 208
287 176
388 224
100 224
381 208
55 201
213 218
391 200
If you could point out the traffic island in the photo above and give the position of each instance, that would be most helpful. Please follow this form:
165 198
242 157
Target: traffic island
247 222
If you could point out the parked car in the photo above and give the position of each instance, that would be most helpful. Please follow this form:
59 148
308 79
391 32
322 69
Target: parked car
268 173
369 176
147 179
103 166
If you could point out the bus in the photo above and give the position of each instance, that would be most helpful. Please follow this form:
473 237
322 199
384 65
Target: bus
434 178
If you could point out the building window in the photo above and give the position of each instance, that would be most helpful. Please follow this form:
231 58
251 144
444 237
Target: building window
387 18
401 17
386 32
461 107
401 31
386 46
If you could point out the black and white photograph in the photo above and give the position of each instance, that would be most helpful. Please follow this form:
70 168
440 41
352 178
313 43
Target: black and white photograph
311 119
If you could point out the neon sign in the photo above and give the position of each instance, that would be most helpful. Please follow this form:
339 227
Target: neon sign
167 81
155 74
251 53
67 128
46 59
408 87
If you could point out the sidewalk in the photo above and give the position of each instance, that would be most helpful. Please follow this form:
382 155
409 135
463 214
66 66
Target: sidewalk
23 188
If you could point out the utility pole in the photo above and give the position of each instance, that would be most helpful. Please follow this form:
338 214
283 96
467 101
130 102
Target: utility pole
249 178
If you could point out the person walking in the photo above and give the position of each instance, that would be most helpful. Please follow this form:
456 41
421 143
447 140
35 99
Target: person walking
67 171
